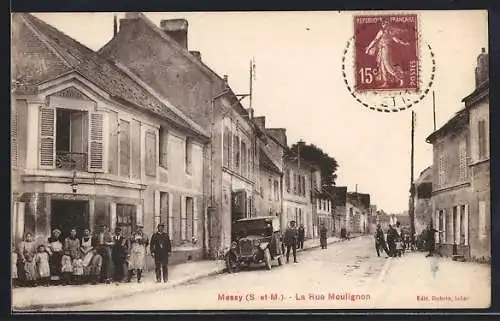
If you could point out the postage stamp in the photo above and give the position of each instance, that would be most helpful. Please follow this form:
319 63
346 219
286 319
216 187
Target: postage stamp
386 53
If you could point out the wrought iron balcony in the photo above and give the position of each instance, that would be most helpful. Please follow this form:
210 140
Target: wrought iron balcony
71 161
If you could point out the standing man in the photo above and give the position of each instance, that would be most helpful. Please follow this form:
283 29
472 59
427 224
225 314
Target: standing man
139 242
391 240
118 254
431 239
160 250
291 241
323 235
104 248
301 236
380 241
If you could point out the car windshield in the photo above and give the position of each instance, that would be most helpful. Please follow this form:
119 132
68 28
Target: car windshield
252 227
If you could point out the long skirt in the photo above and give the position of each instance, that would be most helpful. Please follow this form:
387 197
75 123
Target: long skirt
55 265
137 260
94 267
30 270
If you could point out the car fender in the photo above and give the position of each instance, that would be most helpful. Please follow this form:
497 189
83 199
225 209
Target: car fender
263 245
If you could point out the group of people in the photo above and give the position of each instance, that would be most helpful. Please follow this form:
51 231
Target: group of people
396 243
93 258
294 239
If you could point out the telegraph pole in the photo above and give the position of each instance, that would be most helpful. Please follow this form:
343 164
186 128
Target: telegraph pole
411 210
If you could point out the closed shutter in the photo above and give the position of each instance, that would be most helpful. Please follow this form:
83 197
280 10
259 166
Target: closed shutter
466 224
47 137
444 227
183 218
96 142
170 217
195 218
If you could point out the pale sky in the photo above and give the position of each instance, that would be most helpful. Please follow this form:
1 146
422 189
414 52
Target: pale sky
299 85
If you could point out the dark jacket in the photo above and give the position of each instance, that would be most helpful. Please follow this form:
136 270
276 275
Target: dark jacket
119 248
160 246
392 235
301 233
291 235
379 236
323 232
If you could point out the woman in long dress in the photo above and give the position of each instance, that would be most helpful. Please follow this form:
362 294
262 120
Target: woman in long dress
55 250
381 47
26 263
92 262
42 265
139 242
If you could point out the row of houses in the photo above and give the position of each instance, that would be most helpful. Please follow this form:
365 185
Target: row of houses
142 132
454 193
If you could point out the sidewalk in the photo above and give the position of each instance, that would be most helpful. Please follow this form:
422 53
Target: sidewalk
29 299
416 281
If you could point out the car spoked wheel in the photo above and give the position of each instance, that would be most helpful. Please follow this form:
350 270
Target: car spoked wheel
267 258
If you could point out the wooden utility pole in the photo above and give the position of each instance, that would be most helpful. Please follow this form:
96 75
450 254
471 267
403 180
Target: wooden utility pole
434 108
411 210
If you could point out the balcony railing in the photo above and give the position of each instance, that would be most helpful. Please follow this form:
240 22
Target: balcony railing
71 161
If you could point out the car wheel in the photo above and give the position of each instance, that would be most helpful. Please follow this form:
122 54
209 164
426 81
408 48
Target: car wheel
280 260
267 258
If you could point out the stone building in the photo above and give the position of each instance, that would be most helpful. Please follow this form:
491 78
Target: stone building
351 210
92 145
422 201
324 210
160 57
460 184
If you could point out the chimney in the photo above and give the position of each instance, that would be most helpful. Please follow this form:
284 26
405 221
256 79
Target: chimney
279 134
226 80
260 121
250 112
482 68
197 54
177 29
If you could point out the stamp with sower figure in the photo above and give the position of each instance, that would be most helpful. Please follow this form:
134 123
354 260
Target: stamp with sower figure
386 53
386 65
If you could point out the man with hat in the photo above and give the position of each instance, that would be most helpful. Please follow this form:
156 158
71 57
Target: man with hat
160 249
139 242
290 241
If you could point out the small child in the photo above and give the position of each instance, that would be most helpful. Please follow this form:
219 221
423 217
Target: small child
30 270
42 264
78 270
66 268
15 280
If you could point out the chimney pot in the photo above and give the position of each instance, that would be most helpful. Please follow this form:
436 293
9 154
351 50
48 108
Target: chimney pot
177 29
226 79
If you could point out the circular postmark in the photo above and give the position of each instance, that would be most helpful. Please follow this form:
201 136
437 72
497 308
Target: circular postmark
386 65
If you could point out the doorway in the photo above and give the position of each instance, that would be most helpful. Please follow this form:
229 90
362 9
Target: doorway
68 214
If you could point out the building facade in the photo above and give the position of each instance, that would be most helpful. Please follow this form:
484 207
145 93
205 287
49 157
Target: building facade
460 185
422 200
92 146
232 163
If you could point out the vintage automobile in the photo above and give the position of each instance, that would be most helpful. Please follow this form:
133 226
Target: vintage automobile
254 240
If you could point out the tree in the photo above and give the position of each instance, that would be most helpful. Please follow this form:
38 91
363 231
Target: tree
315 155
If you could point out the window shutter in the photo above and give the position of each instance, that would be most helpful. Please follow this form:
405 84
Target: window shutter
96 142
466 224
195 218
183 218
444 226
47 137
170 217
457 225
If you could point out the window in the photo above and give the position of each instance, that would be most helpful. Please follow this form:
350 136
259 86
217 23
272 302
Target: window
295 185
276 190
124 148
462 228
351 211
442 170
227 147
287 180
244 161
188 153
165 214
441 226
270 185
71 139
236 152
303 186
455 225
189 217
125 218
481 135
483 229
163 147
150 154
462 154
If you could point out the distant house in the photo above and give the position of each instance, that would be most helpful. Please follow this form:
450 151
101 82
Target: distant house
423 204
